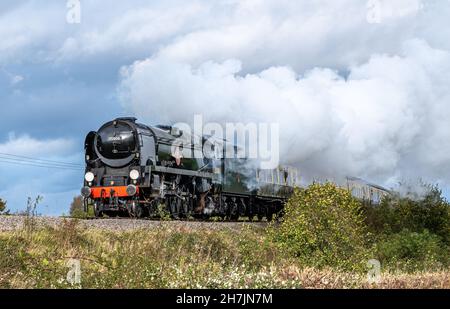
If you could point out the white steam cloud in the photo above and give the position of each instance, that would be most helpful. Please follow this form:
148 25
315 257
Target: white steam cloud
384 116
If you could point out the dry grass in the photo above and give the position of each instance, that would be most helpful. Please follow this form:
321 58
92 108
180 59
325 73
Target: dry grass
424 280
168 257
330 279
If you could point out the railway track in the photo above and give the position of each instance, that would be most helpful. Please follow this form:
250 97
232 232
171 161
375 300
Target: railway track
12 223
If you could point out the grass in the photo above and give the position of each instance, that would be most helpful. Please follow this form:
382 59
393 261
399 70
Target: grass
168 257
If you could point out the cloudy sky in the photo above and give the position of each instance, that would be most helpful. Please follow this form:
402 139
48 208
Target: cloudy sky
358 87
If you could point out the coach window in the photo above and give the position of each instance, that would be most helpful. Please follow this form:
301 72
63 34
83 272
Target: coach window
294 177
376 197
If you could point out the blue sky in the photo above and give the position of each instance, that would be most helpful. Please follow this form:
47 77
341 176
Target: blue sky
359 87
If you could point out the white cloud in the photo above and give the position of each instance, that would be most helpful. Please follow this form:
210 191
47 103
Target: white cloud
301 34
26 26
378 121
134 29
388 118
29 146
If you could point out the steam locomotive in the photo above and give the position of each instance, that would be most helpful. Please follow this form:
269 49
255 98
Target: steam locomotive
135 170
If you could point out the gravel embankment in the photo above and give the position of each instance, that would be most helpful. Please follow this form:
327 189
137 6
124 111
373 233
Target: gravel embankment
11 223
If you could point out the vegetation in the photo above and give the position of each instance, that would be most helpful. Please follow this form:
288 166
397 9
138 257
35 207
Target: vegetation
166 257
412 251
77 209
324 240
396 213
324 226
3 209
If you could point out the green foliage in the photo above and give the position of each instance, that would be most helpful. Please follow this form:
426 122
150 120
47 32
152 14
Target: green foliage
159 258
3 210
32 204
162 213
77 209
172 256
31 213
323 226
412 251
396 213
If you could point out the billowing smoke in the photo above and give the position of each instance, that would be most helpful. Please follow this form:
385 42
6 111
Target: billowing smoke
385 119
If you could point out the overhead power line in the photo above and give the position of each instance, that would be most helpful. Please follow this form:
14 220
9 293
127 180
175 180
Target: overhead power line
41 160
42 166
37 162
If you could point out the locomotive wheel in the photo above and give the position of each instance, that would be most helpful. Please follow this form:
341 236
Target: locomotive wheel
234 216
261 213
234 211
179 207
175 207
185 209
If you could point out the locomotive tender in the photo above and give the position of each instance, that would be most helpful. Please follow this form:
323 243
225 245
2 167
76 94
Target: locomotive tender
133 170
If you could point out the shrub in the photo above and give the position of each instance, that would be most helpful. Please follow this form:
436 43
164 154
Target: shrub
77 209
323 226
3 209
396 213
412 251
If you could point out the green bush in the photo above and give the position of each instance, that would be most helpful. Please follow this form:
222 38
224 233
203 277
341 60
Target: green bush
77 209
412 251
324 226
396 213
3 210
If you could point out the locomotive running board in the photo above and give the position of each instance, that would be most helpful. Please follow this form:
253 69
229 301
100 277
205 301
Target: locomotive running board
177 171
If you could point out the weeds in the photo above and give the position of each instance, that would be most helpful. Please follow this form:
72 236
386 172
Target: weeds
30 214
166 257
323 241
